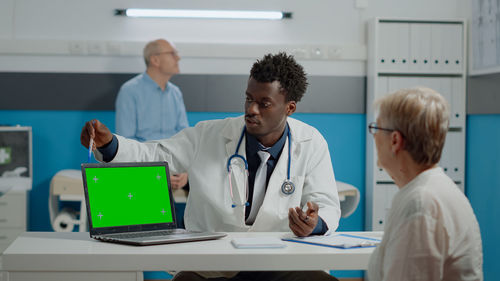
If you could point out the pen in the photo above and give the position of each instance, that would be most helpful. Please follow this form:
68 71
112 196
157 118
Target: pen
90 149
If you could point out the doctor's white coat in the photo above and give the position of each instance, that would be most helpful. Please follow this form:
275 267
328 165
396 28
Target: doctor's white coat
202 151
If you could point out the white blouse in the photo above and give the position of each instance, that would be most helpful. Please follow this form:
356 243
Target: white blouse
431 233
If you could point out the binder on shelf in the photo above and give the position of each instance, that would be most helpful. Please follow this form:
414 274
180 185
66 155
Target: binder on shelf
403 42
397 83
383 194
387 47
454 47
457 104
446 155
394 84
420 46
457 159
378 215
453 163
437 52
380 174
382 87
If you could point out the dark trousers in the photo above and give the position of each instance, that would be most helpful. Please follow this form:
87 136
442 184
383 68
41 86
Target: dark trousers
179 214
179 210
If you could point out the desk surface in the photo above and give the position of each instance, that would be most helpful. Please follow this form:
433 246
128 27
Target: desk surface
55 251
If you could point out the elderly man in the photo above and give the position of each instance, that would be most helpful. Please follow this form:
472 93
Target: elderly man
148 106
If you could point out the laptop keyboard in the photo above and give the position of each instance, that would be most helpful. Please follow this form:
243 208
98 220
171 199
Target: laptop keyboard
147 234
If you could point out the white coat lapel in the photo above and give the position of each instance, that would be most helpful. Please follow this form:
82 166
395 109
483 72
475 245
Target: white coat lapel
238 175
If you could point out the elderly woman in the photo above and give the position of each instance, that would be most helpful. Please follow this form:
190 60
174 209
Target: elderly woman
431 232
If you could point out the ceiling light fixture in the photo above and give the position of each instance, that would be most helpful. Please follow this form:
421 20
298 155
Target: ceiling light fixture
204 14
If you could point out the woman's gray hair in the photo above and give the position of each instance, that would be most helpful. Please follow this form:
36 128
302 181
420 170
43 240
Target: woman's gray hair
421 115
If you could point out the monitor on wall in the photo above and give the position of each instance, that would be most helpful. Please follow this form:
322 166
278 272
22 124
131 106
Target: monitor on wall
16 169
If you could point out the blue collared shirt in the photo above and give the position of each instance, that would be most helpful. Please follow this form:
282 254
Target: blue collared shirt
145 112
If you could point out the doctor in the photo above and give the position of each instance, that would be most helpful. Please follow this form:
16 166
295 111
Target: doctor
294 190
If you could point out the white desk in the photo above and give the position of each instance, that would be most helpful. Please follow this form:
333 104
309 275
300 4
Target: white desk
75 256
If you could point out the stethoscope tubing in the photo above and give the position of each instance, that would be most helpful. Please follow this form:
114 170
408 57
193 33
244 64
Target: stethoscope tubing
236 155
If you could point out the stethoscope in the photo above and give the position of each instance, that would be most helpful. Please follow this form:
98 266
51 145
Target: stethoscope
287 187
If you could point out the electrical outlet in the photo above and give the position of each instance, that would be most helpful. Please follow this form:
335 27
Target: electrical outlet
113 48
317 53
76 47
334 52
94 48
299 53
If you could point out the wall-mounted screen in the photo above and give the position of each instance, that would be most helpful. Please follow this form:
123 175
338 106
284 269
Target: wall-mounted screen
15 158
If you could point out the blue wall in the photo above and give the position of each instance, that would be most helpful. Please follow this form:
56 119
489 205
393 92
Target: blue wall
483 185
56 146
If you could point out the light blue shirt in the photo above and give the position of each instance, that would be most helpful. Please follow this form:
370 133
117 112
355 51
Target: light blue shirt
145 112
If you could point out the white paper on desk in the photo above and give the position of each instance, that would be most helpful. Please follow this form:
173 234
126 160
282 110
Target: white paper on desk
257 242
337 240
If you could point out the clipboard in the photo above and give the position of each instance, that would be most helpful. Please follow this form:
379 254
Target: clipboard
337 240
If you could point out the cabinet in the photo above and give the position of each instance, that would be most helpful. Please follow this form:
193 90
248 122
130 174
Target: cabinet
406 53
15 181
12 217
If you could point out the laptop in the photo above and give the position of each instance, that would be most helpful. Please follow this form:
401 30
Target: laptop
132 203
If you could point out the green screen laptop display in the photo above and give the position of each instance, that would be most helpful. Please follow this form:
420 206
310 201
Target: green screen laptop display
120 196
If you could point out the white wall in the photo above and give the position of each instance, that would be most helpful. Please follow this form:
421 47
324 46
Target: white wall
42 35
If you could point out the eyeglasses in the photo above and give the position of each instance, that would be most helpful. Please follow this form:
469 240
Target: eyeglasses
173 53
372 128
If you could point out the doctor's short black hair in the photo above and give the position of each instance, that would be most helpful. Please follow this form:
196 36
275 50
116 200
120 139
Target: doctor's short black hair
284 69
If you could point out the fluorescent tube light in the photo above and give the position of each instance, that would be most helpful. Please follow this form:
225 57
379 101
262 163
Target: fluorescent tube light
204 14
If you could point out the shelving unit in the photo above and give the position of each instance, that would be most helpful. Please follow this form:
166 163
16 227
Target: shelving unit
12 217
16 174
406 53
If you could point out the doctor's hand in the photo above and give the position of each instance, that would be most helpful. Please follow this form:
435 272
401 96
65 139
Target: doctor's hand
303 224
179 181
96 130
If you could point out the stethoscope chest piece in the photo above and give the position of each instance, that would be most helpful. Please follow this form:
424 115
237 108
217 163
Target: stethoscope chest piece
287 187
